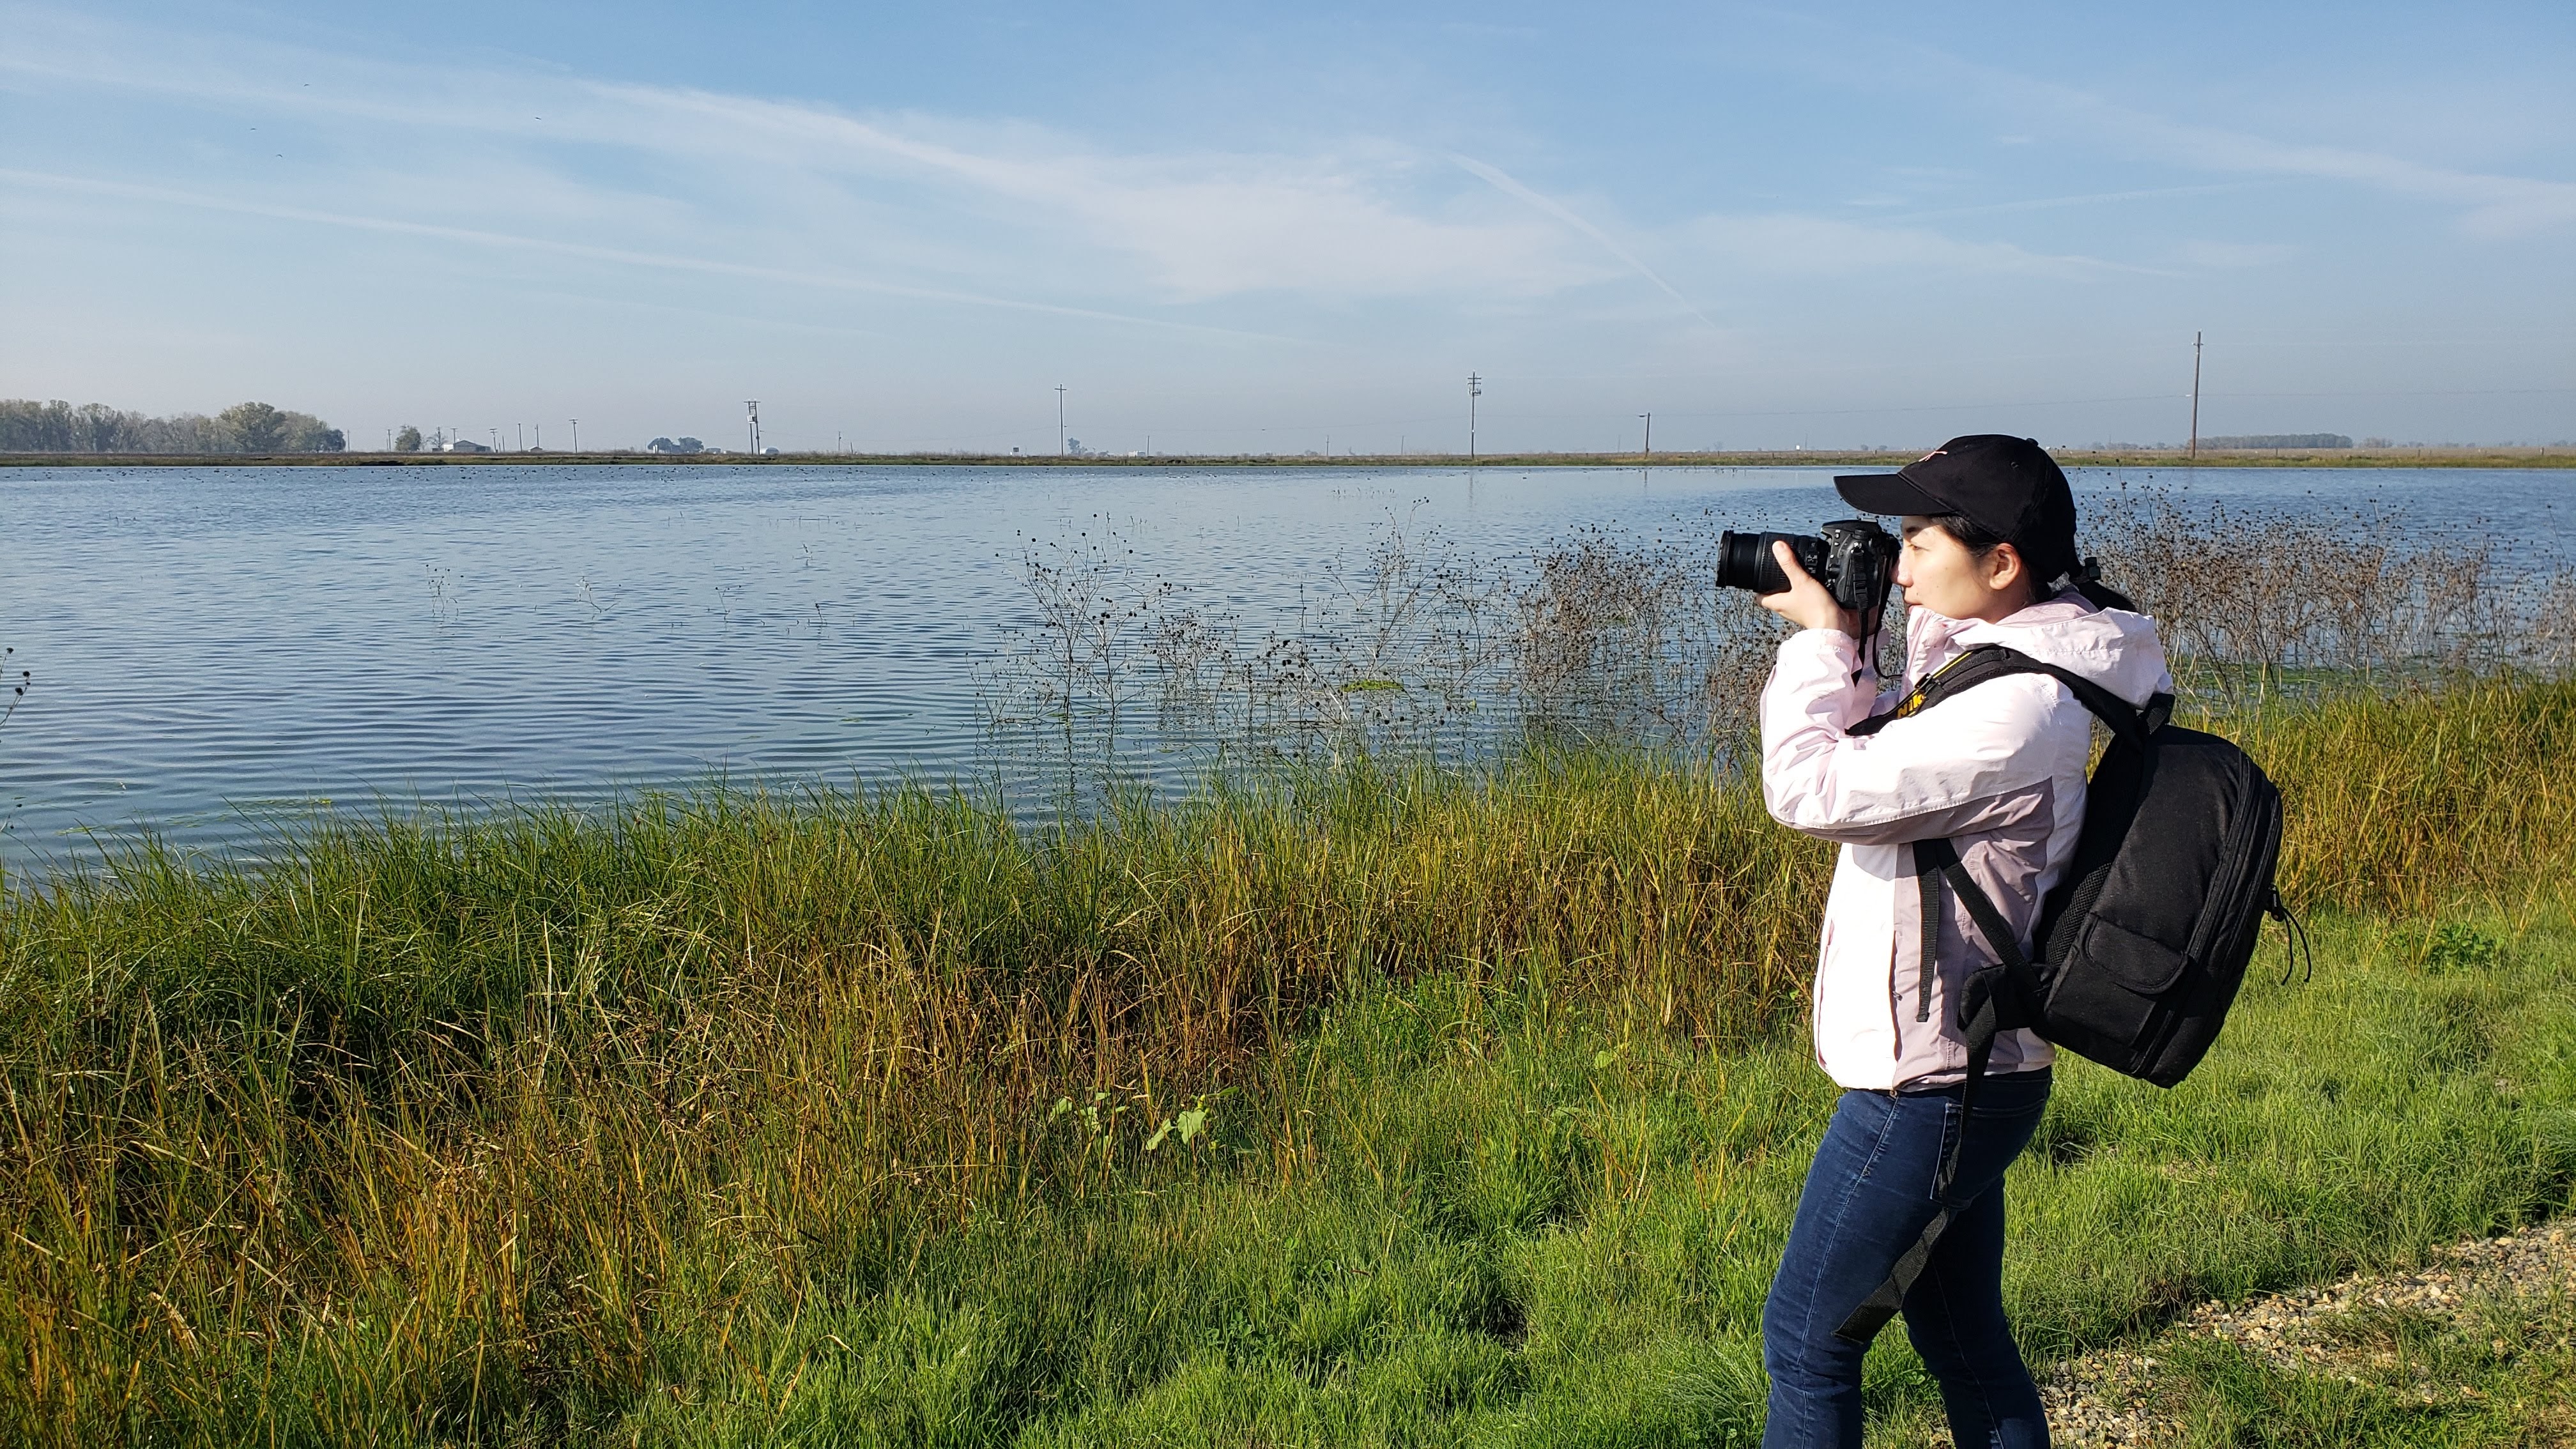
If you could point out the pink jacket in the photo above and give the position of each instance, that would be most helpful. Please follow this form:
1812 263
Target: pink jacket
1999 770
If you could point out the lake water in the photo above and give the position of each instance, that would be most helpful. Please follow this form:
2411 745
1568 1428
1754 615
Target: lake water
217 651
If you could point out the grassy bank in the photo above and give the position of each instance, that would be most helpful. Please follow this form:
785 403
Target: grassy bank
1399 1105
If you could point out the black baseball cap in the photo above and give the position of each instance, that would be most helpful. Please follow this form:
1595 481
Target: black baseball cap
2005 485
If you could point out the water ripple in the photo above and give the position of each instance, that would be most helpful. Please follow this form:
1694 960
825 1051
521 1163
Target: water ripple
220 651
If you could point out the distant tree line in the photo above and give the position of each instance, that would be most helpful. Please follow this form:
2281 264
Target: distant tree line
27 426
2279 440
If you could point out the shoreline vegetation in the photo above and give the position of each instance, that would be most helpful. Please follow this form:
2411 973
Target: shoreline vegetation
1368 1096
1378 1103
2553 456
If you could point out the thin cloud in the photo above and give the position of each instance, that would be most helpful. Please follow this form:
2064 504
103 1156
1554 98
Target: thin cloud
1502 181
2493 205
2052 203
1360 221
623 256
1788 243
2228 255
1207 225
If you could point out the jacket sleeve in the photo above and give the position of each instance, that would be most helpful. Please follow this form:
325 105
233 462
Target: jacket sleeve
1966 766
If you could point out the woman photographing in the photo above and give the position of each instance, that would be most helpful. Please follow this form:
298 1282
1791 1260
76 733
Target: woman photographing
1988 557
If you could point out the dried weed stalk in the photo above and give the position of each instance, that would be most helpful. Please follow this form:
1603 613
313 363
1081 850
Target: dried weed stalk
1422 649
2253 599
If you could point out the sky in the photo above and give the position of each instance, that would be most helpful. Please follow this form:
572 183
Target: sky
1277 228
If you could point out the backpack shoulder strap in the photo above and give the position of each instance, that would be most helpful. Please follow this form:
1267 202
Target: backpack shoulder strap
1994 661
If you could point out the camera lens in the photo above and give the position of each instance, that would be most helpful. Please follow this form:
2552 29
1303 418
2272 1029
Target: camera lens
1745 561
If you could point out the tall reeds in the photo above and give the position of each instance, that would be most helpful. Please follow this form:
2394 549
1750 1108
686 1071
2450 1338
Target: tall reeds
422 1095
2422 797
447 1117
1419 648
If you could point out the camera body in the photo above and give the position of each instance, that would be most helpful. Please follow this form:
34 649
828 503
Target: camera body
1855 560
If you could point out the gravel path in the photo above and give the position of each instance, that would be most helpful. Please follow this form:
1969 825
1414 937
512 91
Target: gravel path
2109 1398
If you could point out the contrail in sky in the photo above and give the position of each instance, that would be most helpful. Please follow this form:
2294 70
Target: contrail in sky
1504 182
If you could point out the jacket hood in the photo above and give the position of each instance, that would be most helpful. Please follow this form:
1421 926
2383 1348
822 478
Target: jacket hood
2114 648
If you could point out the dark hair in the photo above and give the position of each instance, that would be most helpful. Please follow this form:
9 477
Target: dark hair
1982 541
1975 537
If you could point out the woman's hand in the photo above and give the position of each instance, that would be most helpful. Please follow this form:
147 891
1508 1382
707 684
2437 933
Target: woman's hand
1806 604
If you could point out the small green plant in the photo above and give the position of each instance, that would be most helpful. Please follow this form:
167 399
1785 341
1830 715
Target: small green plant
1098 1119
2461 948
1191 1124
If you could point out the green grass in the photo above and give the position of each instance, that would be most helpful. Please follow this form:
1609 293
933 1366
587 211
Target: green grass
1501 1222
1517 1225
751 1120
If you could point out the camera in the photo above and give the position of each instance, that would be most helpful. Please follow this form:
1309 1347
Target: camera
1855 561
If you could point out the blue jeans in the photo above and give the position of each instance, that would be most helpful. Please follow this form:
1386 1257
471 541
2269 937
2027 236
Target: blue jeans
1868 1197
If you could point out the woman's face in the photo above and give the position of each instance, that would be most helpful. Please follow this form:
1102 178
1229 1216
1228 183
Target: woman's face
1938 573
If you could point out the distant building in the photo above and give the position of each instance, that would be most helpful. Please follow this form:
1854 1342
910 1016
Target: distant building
462 445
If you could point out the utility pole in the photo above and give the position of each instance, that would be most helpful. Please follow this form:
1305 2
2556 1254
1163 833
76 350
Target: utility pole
496 440
1650 434
523 437
576 435
2195 397
1475 390
541 437
751 423
1059 420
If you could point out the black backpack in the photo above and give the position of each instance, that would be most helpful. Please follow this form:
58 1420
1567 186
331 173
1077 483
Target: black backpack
2143 945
